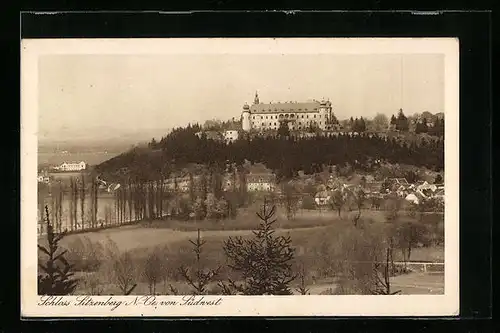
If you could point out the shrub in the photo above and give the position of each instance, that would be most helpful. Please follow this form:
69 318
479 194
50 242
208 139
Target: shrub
85 255
308 202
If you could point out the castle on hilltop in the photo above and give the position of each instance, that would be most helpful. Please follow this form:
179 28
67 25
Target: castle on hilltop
298 115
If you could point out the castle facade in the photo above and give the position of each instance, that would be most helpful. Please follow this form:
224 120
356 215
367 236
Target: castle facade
298 115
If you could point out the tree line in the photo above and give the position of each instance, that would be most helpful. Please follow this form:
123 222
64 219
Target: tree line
285 155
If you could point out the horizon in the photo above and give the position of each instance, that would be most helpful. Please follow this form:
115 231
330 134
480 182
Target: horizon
126 97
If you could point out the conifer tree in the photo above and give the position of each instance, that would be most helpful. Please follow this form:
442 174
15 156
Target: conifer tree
264 262
199 278
57 277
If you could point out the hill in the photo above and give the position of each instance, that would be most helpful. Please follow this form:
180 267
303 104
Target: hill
286 156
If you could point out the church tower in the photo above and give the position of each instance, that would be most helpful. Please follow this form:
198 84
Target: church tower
256 99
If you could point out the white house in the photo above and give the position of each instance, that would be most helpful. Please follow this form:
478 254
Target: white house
230 135
72 166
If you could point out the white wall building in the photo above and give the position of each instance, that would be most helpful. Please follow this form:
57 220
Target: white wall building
72 166
231 135
261 182
299 116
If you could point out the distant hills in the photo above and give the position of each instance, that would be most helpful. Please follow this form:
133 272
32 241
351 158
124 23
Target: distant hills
96 138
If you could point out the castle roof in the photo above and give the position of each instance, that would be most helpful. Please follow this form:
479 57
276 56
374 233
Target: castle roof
285 107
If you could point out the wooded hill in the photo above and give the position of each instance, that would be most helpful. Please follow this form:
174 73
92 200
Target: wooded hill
283 154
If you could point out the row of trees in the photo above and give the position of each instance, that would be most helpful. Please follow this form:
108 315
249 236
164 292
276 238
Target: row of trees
80 196
402 123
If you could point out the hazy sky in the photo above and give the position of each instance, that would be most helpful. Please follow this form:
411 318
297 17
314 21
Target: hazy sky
134 93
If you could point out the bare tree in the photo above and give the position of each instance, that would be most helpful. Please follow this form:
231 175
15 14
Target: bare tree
337 201
122 268
154 270
302 289
82 199
290 200
381 275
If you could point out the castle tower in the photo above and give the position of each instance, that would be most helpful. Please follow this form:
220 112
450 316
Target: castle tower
245 121
324 113
256 99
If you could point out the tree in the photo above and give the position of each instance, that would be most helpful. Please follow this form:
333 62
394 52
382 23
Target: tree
380 122
337 201
438 179
264 261
200 277
283 129
302 289
402 122
122 268
393 120
290 200
382 282
422 126
154 270
57 277
407 234
359 197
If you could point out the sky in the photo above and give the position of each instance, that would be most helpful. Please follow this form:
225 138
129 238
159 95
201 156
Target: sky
119 94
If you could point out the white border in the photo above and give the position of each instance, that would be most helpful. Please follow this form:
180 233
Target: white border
421 305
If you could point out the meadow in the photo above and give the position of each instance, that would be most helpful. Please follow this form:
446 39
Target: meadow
324 243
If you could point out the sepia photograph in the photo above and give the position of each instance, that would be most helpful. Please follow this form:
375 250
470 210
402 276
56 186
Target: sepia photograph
207 172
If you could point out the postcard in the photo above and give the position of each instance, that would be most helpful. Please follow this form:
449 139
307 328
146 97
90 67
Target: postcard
201 177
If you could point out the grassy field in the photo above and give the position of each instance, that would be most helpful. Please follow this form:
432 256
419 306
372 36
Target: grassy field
322 241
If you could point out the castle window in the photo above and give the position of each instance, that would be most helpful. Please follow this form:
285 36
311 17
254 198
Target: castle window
307 116
302 116
274 124
261 117
253 117
314 116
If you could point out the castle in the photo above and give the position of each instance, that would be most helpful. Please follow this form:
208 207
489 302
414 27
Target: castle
299 116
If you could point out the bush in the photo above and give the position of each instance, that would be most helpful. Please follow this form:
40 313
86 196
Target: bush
308 202
85 255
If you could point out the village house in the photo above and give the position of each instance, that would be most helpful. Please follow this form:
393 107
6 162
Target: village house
263 182
231 135
322 198
373 187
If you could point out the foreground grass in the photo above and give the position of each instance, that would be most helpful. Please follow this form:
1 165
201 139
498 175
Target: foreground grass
322 240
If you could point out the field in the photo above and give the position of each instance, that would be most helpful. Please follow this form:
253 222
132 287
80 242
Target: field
320 239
